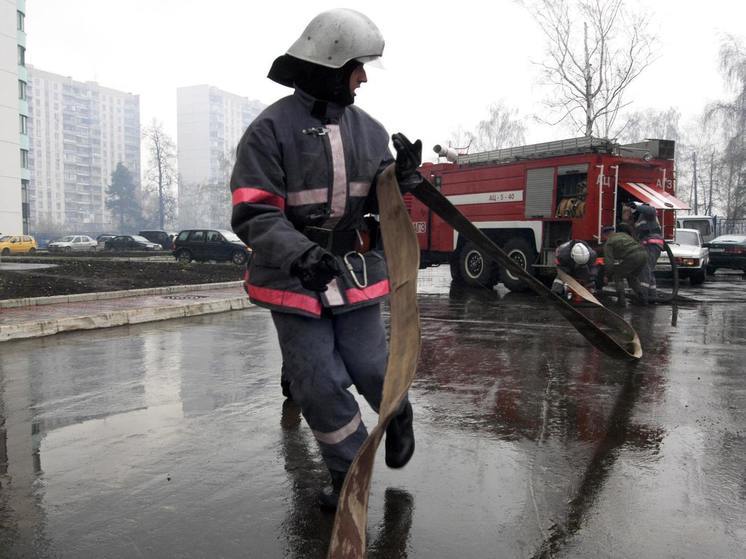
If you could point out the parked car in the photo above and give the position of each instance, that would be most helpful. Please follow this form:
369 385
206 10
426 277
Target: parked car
210 244
163 238
101 240
73 243
727 251
131 242
17 244
690 255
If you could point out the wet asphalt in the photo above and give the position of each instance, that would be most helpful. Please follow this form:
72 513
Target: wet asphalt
172 439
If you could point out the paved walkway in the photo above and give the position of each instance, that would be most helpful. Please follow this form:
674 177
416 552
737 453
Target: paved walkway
13 266
44 316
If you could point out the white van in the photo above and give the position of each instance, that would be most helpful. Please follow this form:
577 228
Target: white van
705 224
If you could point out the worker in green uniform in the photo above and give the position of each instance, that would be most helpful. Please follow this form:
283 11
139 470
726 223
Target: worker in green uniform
624 257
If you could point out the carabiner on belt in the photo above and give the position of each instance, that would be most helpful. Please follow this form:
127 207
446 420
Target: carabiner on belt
346 258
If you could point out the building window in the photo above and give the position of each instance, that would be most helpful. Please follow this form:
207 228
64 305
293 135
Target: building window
22 91
21 56
24 124
21 21
24 158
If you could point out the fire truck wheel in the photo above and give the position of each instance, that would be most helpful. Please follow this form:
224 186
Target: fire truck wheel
521 251
474 268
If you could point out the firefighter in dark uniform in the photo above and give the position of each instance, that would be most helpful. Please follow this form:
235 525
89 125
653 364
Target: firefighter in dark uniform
650 235
305 177
578 260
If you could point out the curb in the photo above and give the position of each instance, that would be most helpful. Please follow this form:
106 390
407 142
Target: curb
103 295
109 319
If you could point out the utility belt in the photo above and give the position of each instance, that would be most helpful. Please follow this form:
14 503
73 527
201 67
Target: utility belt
339 243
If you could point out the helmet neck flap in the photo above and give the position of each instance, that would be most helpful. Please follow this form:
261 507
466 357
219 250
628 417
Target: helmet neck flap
325 84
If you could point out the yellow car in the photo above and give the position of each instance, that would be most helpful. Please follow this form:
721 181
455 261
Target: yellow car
17 244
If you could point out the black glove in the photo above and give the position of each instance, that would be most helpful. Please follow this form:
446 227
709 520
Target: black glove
315 268
408 159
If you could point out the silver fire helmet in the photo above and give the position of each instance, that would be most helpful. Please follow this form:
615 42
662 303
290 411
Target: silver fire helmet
580 254
337 36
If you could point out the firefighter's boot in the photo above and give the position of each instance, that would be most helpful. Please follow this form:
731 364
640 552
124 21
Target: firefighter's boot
285 386
285 383
400 438
329 497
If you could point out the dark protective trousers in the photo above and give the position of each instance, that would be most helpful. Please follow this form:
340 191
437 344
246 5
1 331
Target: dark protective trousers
647 275
322 359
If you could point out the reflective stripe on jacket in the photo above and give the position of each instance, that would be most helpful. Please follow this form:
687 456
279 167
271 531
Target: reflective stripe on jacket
648 230
653 241
295 169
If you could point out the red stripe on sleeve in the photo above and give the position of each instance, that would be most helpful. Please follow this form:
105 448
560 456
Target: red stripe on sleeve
247 195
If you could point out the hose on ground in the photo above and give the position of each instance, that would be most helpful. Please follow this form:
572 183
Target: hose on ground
674 277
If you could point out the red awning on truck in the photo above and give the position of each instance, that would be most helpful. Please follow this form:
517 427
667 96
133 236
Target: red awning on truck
657 198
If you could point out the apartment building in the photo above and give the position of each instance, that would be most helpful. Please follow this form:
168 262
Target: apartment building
14 142
210 122
78 132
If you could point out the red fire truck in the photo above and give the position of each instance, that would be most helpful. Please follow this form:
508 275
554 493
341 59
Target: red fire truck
530 199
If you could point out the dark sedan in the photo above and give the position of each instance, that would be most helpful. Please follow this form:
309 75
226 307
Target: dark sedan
131 242
210 244
727 251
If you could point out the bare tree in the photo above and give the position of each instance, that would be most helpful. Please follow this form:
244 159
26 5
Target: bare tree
208 204
461 139
502 128
160 174
732 115
651 123
700 141
595 50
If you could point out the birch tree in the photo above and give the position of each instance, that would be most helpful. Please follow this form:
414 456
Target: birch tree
733 117
161 173
208 203
594 50
651 124
502 128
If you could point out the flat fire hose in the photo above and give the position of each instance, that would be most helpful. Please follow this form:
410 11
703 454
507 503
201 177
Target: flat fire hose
603 328
674 277
348 539
403 260
611 320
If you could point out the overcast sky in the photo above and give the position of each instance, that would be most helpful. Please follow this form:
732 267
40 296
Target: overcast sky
445 62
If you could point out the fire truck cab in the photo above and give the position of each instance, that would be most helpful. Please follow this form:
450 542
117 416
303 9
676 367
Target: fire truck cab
530 199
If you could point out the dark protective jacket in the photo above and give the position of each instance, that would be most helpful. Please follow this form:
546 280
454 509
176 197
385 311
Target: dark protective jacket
306 163
567 264
647 228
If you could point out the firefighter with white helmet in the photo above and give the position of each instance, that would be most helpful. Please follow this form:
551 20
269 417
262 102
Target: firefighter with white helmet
580 253
305 177
578 260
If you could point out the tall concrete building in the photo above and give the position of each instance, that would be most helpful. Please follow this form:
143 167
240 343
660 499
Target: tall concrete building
14 141
78 131
210 122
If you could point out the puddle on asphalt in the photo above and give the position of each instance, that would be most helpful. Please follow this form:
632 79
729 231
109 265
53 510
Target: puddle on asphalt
172 439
